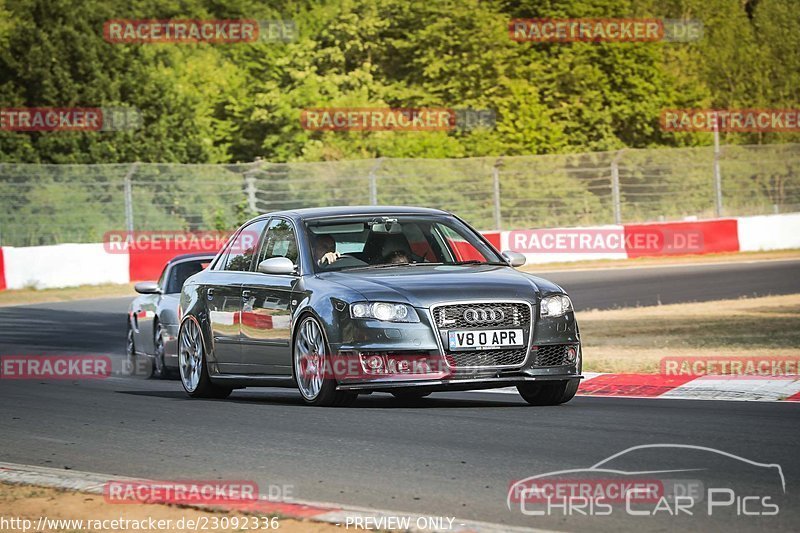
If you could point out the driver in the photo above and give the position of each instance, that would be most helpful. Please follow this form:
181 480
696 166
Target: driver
325 250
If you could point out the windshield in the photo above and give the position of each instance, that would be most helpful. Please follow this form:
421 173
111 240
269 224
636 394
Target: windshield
180 272
385 241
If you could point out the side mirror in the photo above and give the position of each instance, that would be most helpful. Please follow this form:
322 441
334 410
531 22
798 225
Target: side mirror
147 287
515 259
276 265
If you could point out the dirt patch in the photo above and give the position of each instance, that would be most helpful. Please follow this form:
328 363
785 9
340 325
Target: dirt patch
31 503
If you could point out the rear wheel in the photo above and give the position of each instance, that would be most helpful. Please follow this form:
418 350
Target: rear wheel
192 363
312 367
549 392
159 369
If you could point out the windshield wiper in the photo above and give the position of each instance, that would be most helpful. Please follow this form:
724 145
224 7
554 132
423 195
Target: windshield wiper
476 262
381 265
457 263
387 265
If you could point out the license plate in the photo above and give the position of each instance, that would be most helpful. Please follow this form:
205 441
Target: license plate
485 339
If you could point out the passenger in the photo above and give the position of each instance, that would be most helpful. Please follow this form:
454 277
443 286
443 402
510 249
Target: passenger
398 257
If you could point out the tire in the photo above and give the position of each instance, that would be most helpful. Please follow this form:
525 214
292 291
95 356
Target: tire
410 395
310 353
549 392
193 365
130 354
159 368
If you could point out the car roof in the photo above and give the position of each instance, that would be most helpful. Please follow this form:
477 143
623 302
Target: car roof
321 212
195 255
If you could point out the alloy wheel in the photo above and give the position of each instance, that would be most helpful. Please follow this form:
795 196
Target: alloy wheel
190 355
309 358
158 360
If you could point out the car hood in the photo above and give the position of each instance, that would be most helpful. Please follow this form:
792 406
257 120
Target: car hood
423 286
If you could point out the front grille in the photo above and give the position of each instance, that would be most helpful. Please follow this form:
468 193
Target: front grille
515 315
452 316
551 355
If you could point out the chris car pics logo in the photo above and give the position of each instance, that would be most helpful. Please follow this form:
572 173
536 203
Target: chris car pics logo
684 480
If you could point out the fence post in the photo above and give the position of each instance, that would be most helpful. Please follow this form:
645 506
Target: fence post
250 187
615 197
129 198
373 182
717 173
498 221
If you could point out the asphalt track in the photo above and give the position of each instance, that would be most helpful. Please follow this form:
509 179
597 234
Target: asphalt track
449 455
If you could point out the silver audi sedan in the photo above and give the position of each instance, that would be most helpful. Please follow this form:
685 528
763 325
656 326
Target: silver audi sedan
153 318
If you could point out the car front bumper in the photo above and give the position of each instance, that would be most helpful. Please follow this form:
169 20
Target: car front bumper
418 340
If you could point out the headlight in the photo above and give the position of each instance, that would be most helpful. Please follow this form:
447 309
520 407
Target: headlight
385 311
553 306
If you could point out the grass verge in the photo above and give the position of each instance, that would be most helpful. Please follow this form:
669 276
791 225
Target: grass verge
33 296
635 339
732 257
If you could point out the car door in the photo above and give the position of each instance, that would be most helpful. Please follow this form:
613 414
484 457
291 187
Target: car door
267 305
144 310
224 295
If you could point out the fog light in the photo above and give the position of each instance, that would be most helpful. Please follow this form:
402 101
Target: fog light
374 362
572 354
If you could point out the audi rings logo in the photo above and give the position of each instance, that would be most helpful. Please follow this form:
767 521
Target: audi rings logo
483 315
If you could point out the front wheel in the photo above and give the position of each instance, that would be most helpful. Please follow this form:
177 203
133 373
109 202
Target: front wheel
131 359
192 363
312 367
549 392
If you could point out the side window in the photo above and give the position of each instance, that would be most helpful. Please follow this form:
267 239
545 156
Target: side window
241 250
460 248
280 241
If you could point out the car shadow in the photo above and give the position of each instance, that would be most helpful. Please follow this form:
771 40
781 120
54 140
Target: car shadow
376 401
371 401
